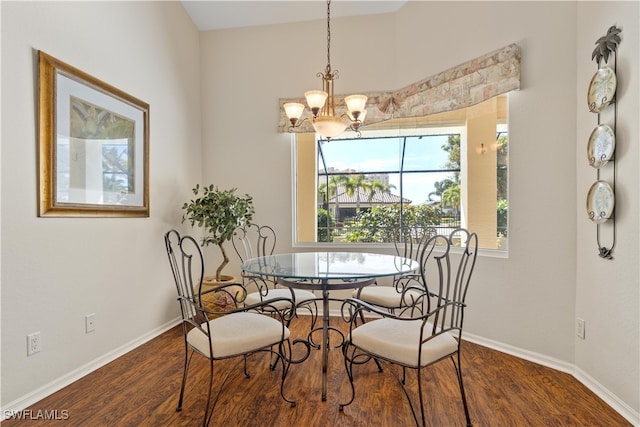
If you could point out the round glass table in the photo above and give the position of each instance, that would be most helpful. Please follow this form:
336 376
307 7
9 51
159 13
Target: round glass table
326 271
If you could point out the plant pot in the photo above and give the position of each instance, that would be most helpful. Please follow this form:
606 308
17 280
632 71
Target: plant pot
219 301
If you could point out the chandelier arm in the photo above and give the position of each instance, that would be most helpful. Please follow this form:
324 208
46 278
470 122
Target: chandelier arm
297 124
354 124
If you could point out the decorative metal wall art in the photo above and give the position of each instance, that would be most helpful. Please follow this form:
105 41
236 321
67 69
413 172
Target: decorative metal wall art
601 99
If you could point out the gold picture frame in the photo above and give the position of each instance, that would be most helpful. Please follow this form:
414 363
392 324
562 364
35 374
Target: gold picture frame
93 146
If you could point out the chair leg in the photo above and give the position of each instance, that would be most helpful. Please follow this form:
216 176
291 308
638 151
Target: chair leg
273 361
362 318
348 366
420 397
314 314
247 374
285 355
458 367
274 358
187 360
313 311
207 415
401 382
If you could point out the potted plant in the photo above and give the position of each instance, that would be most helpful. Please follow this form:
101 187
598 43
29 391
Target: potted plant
219 212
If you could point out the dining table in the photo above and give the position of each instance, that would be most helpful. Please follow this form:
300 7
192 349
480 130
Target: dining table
327 271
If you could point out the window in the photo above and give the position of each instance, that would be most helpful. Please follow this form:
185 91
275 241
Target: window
448 170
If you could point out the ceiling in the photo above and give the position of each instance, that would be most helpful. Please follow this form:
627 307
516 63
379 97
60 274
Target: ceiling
219 14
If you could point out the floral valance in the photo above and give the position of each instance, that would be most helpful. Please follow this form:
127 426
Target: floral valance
462 86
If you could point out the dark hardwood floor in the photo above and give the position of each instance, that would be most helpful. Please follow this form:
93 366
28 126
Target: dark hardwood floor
141 389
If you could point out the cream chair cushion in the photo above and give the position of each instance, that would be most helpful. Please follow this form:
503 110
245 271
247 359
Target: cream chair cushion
238 333
301 296
386 296
398 341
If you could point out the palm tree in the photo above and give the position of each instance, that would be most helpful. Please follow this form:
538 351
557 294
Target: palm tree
451 197
334 184
379 187
440 188
453 148
353 186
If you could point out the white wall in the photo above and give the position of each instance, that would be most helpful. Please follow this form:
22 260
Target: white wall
541 119
57 270
608 292
50 280
527 301
281 61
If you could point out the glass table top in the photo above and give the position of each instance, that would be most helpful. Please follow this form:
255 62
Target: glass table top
330 265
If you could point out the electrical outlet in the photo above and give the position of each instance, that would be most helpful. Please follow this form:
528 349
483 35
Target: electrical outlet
90 322
33 343
580 328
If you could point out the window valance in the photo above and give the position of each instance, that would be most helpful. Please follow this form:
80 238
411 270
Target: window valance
462 86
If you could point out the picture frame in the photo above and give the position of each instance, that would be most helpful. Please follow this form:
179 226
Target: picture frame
93 145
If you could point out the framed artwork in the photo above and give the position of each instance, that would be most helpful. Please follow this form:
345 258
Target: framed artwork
93 146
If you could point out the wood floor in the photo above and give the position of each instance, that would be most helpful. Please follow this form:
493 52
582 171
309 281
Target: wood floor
141 389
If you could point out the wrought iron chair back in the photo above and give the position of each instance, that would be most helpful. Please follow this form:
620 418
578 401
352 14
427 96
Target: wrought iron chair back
187 266
405 288
415 339
253 240
202 327
456 285
409 244
433 256
408 240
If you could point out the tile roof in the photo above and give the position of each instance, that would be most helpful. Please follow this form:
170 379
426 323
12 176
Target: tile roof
378 198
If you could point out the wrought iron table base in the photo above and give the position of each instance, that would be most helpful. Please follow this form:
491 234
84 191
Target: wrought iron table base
324 285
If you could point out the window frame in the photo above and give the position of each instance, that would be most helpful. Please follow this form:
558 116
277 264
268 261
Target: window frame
400 131
402 172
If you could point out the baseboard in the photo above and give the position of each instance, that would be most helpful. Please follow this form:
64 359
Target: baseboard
602 392
598 389
58 384
541 359
611 399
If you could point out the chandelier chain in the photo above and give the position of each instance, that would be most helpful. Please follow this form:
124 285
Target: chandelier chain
328 70
322 103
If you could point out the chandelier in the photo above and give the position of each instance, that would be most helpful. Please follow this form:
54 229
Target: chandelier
322 103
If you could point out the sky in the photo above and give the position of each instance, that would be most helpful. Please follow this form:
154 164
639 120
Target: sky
385 154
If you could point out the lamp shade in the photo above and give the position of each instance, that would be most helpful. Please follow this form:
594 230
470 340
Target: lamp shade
329 126
355 102
315 98
293 110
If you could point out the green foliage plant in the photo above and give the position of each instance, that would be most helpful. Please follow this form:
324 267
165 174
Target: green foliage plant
325 224
380 223
218 212
503 210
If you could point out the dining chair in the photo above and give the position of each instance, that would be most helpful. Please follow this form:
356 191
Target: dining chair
238 333
405 288
414 339
251 241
